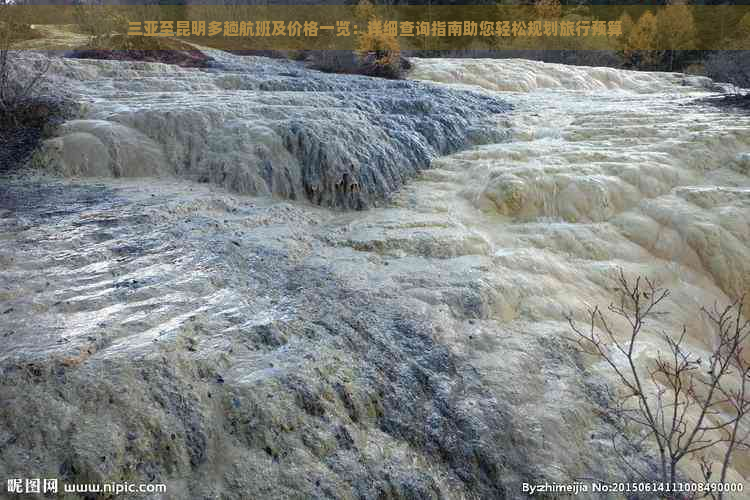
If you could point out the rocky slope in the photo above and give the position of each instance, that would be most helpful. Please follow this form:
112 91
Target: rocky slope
167 331
164 319
207 341
261 126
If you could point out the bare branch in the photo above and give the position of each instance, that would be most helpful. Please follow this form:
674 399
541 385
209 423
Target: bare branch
686 412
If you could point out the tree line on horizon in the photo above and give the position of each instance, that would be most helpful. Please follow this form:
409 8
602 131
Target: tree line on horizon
672 35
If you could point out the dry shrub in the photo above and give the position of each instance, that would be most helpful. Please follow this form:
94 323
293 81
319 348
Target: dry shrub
548 9
376 54
682 404
379 54
642 41
99 24
17 83
107 25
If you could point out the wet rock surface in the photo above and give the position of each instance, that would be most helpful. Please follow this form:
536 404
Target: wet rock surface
202 341
262 126
232 346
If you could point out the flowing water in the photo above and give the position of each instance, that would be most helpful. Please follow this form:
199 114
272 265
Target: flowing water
592 170
604 169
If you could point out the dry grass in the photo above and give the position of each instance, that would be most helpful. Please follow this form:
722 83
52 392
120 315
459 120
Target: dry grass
119 47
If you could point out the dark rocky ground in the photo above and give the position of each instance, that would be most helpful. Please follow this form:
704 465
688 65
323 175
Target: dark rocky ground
281 380
23 127
736 102
173 52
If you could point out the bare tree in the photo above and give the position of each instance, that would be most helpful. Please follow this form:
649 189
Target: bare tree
685 405
14 87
